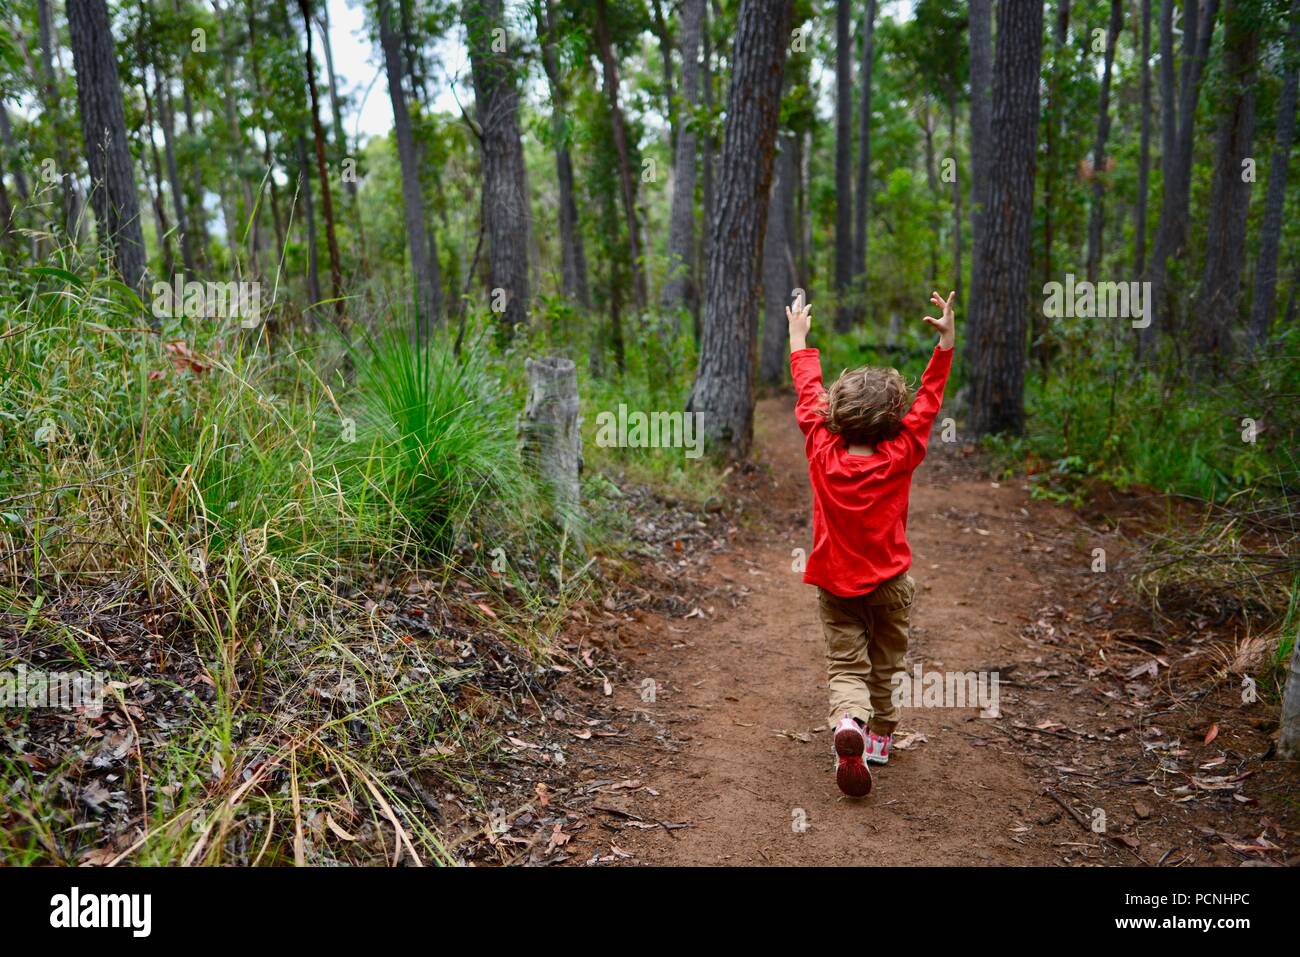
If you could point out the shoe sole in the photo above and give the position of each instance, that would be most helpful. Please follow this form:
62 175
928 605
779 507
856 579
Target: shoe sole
851 774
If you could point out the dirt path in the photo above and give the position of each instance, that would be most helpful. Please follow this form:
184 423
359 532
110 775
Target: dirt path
728 764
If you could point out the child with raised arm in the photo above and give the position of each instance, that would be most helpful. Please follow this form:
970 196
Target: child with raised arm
863 444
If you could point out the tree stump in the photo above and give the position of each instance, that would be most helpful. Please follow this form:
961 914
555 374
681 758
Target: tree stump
551 441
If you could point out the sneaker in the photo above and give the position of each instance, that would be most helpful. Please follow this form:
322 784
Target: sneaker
878 746
853 777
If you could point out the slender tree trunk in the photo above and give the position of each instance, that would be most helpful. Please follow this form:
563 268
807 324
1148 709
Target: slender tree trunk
665 38
340 134
167 121
707 161
1225 237
626 179
844 313
1264 300
103 129
72 202
956 195
679 285
932 184
573 256
1096 215
309 209
1144 151
723 392
778 266
424 271
862 187
505 201
322 169
161 225
1001 293
1051 159
981 135
1172 227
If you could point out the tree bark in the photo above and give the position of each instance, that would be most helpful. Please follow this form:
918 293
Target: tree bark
1288 744
1000 297
679 284
505 198
862 197
723 392
1264 300
103 130
1225 236
552 441
844 314
1096 215
424 266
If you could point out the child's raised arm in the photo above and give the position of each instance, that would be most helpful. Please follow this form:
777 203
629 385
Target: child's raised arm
929 398
805 366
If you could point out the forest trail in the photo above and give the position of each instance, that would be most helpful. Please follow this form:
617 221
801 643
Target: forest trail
730 764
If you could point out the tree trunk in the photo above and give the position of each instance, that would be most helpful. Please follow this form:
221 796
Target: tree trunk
1225 236
1144 151
424 270
1051 157
1288 744
340 134
156 198
956 196
103 129
931 184
1000 297
322 169
1270 231
309 209
552 441
1171 229
862 210
505 199
844 314
778 266
707 161
679 285
573 256
610 72
981 134
723 392
1096 215
665 38
166 119
72 203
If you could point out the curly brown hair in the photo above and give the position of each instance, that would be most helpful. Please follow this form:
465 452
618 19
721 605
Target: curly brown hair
866 405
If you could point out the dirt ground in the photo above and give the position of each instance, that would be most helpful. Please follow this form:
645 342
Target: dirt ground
1109 748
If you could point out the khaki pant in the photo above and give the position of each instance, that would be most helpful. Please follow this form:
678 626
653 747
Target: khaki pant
866 641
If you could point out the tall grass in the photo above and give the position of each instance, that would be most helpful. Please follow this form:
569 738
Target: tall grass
193 513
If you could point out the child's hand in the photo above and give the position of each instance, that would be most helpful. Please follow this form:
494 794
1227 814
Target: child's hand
800 318
947 326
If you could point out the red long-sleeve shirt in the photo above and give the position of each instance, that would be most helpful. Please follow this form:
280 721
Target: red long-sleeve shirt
860 501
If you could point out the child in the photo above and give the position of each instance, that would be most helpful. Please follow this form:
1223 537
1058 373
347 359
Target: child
862 448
